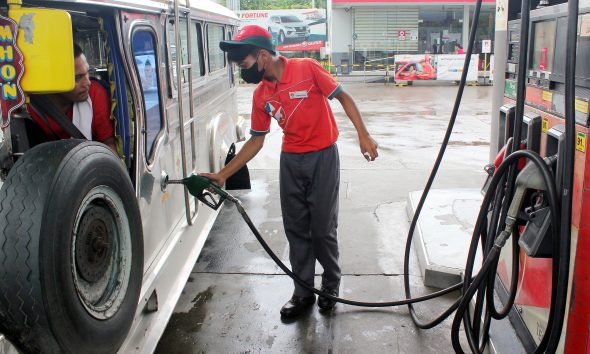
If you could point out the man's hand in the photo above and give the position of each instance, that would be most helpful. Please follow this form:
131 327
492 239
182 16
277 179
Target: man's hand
368 147
216 178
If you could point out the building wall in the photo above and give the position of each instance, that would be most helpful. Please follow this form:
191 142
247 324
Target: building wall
341 30
341 39
374 32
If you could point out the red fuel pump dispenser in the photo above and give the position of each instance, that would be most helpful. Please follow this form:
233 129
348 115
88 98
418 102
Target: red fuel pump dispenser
543 131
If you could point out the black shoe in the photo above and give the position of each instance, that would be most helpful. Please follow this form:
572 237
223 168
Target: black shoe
296 305
327 304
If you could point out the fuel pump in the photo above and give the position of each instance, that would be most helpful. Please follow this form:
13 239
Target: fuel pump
561 106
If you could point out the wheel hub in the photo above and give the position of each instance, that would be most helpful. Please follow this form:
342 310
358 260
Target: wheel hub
94 243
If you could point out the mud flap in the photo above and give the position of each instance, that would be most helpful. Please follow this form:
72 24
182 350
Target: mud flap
241 179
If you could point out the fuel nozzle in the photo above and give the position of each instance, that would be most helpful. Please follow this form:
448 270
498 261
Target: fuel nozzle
203 188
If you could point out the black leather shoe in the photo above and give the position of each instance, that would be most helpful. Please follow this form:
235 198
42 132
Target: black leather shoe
327 304
296 305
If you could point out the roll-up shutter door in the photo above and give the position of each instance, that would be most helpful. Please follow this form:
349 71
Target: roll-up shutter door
379 29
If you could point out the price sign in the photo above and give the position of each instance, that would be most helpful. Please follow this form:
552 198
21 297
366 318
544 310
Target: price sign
486 46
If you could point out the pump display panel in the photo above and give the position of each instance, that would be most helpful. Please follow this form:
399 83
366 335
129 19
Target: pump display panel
543 46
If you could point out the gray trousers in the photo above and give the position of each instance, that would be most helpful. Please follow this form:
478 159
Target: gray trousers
309 184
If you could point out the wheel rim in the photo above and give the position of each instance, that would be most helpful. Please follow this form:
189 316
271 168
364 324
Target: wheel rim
101 252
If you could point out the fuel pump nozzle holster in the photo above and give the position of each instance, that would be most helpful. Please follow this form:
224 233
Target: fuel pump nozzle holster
535 240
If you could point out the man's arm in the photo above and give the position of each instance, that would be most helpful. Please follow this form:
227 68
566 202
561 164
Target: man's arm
367 144
103 129
248 151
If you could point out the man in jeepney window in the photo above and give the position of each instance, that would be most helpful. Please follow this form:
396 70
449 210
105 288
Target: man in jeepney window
88 106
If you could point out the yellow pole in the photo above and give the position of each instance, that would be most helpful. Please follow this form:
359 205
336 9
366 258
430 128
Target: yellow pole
485 66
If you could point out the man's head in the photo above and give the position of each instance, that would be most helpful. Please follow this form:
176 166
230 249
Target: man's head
251 48
82 85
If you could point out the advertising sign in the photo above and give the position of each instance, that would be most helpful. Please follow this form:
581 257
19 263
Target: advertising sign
11 71
415 67
402 35
486 46
450 67
292 30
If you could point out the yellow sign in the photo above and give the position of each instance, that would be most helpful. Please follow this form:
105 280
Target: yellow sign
547 96
581 142
545 125
582 106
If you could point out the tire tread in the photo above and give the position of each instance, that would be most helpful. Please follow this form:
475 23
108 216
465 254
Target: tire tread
21 208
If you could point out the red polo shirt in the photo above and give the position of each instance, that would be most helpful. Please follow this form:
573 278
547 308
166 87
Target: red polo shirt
102 125
299 103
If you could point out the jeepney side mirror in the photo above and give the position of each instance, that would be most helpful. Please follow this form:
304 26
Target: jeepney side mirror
46 41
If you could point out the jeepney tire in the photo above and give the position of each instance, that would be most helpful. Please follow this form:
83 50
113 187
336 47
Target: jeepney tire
45 307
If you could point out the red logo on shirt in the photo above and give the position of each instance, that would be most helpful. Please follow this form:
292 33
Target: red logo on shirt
275 110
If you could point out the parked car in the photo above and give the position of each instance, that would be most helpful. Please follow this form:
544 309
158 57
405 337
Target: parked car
288 27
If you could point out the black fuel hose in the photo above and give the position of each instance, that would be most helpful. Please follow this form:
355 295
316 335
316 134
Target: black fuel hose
473 326
471 286
558 310
490 259
417 321
489 232
299 281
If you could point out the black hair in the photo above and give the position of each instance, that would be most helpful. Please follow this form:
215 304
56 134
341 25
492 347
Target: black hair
77 51
458 45
241 52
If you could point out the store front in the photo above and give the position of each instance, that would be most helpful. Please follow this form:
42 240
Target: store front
366 35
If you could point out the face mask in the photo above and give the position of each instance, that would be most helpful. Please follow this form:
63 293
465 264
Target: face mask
252 75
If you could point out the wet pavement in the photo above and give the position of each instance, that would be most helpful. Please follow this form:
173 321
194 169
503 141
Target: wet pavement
232 299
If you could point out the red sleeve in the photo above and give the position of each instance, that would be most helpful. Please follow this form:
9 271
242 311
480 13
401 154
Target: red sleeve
326 83
102 125
260 120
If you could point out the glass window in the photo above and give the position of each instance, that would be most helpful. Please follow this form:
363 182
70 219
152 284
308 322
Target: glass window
441 27
543 46
183 33
215 34
172 50
197 49
143 46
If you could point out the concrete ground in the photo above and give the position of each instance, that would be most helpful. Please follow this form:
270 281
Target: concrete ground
231 302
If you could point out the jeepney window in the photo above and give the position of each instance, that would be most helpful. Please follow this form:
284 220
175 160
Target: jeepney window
183 32
215 34
143 46
197 49
172 48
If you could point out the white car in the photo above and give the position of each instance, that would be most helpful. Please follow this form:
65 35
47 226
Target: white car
288 27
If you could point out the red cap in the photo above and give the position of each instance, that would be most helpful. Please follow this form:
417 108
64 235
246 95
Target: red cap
252 35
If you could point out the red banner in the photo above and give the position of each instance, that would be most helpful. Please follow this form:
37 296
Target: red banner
11 70
303 46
